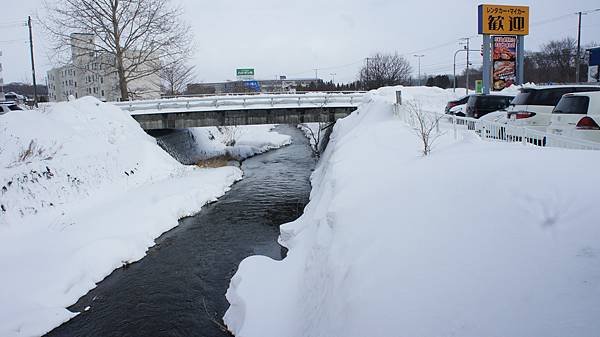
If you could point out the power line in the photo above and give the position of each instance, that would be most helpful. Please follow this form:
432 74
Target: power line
14 22
13 26
326 68
13 41
442 45
589 11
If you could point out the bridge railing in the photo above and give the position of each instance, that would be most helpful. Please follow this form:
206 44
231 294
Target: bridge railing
261 93
346 99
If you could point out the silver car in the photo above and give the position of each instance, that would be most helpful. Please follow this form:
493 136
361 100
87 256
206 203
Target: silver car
8 106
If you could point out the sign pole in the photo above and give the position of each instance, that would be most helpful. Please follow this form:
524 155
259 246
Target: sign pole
520 59
487 64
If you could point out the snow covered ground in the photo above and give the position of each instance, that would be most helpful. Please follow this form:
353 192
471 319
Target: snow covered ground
249 140
83 190
477 239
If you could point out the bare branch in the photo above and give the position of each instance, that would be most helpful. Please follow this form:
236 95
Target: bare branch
135 34
427 126
385 69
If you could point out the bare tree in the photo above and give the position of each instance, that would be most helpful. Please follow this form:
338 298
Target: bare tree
126 37
555 61
426 126
175 76
230 134
385 69
314 136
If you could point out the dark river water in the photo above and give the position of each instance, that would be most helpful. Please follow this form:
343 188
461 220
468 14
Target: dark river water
179 288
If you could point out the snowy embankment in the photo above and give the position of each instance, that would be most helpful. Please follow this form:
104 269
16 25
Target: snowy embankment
249 140
83 190
477 239
313 132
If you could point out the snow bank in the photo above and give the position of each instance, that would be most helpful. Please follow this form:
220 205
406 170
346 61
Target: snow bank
477 239
83 190
249 140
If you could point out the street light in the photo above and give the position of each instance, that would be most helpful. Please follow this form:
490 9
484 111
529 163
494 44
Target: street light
454 71
419 57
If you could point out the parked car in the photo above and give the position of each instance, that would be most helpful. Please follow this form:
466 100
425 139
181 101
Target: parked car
8 106
577 116
14 97
533 106
480 105
456 102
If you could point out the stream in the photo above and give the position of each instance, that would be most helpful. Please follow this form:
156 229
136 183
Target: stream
179 288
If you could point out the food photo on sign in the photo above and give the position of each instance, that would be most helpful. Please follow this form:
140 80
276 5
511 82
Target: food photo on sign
504 55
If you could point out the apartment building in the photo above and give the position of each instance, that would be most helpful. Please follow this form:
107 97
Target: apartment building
93 73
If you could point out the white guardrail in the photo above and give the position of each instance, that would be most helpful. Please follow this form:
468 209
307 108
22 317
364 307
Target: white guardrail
490 130
235 102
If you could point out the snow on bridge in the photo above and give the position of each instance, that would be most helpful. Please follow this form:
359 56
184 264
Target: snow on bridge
184 112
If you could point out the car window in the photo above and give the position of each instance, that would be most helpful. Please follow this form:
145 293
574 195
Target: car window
14 107
572 105
493 102
463 100
523 97
471 100
547 97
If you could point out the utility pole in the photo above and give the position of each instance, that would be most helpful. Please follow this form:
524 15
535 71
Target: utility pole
333 77
419 57
316 73
35 100
467 75
578 56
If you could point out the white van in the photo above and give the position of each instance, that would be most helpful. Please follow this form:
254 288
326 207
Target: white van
577 116
533 106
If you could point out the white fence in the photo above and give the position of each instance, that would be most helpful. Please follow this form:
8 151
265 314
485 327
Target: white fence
489 130
241 102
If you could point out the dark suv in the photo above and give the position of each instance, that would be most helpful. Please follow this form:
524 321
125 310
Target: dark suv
480 105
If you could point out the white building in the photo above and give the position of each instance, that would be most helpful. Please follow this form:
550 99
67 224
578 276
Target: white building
94 73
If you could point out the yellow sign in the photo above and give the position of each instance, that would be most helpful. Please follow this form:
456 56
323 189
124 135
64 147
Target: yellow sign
503 20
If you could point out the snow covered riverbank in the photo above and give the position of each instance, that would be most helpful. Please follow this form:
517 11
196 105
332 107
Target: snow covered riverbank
477 239
83 190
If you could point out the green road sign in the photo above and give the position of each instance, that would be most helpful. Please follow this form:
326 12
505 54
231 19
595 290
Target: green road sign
479 86
244 72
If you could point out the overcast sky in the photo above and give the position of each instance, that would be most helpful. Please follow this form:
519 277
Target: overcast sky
293 37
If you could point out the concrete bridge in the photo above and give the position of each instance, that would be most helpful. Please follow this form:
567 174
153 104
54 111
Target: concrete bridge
185 112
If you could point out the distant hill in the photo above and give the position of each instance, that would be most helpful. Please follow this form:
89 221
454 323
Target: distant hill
25 89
